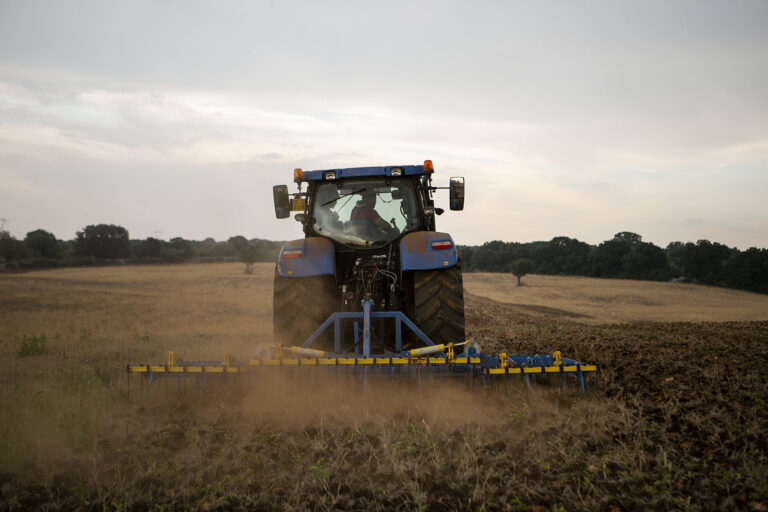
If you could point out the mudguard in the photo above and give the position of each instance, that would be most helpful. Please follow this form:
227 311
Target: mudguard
425 250
312 256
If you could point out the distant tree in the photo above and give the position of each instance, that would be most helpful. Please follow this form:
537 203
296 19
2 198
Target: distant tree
495 256
151 248
628 237
521 267
704 261
207 247
491 256
237 242
43 244
178 243
67 248
10 248
607 260
675 252
179 249
248 254
561 255
105 241
465 256
266 250
646 261
748 270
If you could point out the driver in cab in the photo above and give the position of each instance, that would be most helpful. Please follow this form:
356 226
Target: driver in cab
364 210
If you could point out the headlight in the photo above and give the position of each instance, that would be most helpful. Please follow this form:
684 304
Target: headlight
329 175
396 171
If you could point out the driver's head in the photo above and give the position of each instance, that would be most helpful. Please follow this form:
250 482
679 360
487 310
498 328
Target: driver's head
369 198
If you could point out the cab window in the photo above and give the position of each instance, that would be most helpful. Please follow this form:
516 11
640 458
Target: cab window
364 212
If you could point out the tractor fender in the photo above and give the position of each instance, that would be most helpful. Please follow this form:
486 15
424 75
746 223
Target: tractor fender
426 250
305 257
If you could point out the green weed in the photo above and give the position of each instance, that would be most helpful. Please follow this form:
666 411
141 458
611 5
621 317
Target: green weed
31 346
319 470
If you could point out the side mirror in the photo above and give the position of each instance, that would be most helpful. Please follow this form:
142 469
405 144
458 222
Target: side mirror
282 204
456 193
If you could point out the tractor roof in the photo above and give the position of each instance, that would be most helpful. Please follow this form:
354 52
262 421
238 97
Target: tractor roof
362 172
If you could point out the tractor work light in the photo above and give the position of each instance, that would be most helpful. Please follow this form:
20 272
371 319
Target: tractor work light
428 167
396 171
298 175
289 254
329 175
441 245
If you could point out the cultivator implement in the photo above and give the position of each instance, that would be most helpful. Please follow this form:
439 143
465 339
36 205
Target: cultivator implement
488 370
432 361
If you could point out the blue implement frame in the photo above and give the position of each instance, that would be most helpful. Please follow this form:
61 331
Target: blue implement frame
367 314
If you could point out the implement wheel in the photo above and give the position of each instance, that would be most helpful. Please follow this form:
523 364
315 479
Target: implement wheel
437 307
300 305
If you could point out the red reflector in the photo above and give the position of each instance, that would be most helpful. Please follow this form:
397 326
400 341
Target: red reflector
442 244
292 253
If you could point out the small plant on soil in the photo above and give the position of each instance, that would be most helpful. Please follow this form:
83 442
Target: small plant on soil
31 346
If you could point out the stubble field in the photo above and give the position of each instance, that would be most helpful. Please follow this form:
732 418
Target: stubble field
676 419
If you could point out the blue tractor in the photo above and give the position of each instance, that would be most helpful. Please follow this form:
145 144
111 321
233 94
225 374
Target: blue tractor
370 243
372 266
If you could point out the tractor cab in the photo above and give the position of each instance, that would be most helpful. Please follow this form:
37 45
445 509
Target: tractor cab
366 207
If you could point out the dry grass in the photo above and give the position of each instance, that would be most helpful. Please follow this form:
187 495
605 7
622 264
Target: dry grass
603 301
142 310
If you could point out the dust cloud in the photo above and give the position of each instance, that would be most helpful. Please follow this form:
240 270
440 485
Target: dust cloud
298 396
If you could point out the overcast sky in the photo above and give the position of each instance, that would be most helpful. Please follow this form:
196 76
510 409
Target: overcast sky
580 119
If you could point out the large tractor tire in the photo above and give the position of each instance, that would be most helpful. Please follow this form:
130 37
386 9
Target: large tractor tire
438 304
300 305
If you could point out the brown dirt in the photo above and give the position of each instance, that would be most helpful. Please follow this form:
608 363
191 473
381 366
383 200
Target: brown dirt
676 418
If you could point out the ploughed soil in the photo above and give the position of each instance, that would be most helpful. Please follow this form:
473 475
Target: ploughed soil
677 418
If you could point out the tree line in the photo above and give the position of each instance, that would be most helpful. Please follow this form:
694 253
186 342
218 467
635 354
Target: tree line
108 243
626 256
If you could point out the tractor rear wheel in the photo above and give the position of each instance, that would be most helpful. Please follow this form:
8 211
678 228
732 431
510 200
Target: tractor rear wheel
437 307
300 305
